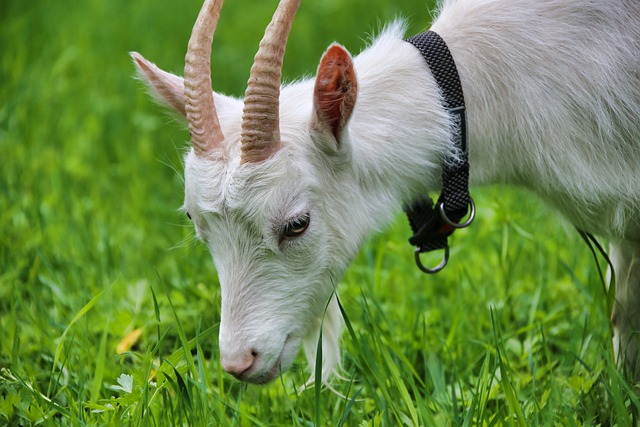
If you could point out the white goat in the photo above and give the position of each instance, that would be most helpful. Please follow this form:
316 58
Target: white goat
285 193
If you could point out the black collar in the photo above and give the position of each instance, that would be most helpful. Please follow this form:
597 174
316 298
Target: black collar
432 225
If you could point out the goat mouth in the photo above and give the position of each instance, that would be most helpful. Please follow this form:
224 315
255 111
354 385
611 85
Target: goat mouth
271 374
266 377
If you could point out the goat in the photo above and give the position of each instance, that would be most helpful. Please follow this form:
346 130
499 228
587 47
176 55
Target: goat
285 185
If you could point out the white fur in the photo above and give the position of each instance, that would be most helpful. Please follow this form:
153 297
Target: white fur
552 89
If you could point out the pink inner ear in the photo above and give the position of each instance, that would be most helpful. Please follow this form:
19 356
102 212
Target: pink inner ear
167 88
335 90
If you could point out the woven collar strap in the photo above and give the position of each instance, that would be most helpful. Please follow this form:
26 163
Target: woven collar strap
432 225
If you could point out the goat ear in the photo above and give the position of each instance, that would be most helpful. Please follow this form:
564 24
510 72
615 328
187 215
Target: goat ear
336 88
165 87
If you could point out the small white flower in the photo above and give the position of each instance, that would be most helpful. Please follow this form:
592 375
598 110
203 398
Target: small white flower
126 383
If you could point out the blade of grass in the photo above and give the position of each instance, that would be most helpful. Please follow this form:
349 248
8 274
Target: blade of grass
88 306
318 380
507 386
98 375
183 337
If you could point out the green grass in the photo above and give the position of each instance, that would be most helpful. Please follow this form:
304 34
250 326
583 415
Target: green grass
92 247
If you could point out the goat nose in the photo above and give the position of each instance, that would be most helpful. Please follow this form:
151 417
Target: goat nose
240 365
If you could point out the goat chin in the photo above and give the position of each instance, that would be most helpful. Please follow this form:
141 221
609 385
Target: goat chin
552 89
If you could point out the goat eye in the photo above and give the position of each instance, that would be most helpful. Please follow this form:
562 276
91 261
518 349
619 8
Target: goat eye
189 216
296 226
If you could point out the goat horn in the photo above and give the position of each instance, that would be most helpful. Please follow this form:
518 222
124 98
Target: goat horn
204 126
260 119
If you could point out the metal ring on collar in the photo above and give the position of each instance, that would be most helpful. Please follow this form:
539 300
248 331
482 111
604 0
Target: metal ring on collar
467 223
435 269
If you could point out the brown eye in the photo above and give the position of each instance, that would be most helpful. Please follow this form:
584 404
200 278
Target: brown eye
296 226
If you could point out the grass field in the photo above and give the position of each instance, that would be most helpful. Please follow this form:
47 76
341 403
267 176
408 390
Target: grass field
93 252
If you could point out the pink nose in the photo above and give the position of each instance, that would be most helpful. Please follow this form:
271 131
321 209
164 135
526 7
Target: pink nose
241 365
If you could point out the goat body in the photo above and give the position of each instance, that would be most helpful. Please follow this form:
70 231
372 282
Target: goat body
552 89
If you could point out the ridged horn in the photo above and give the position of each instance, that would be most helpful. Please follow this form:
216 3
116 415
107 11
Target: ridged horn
260 119
204 126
